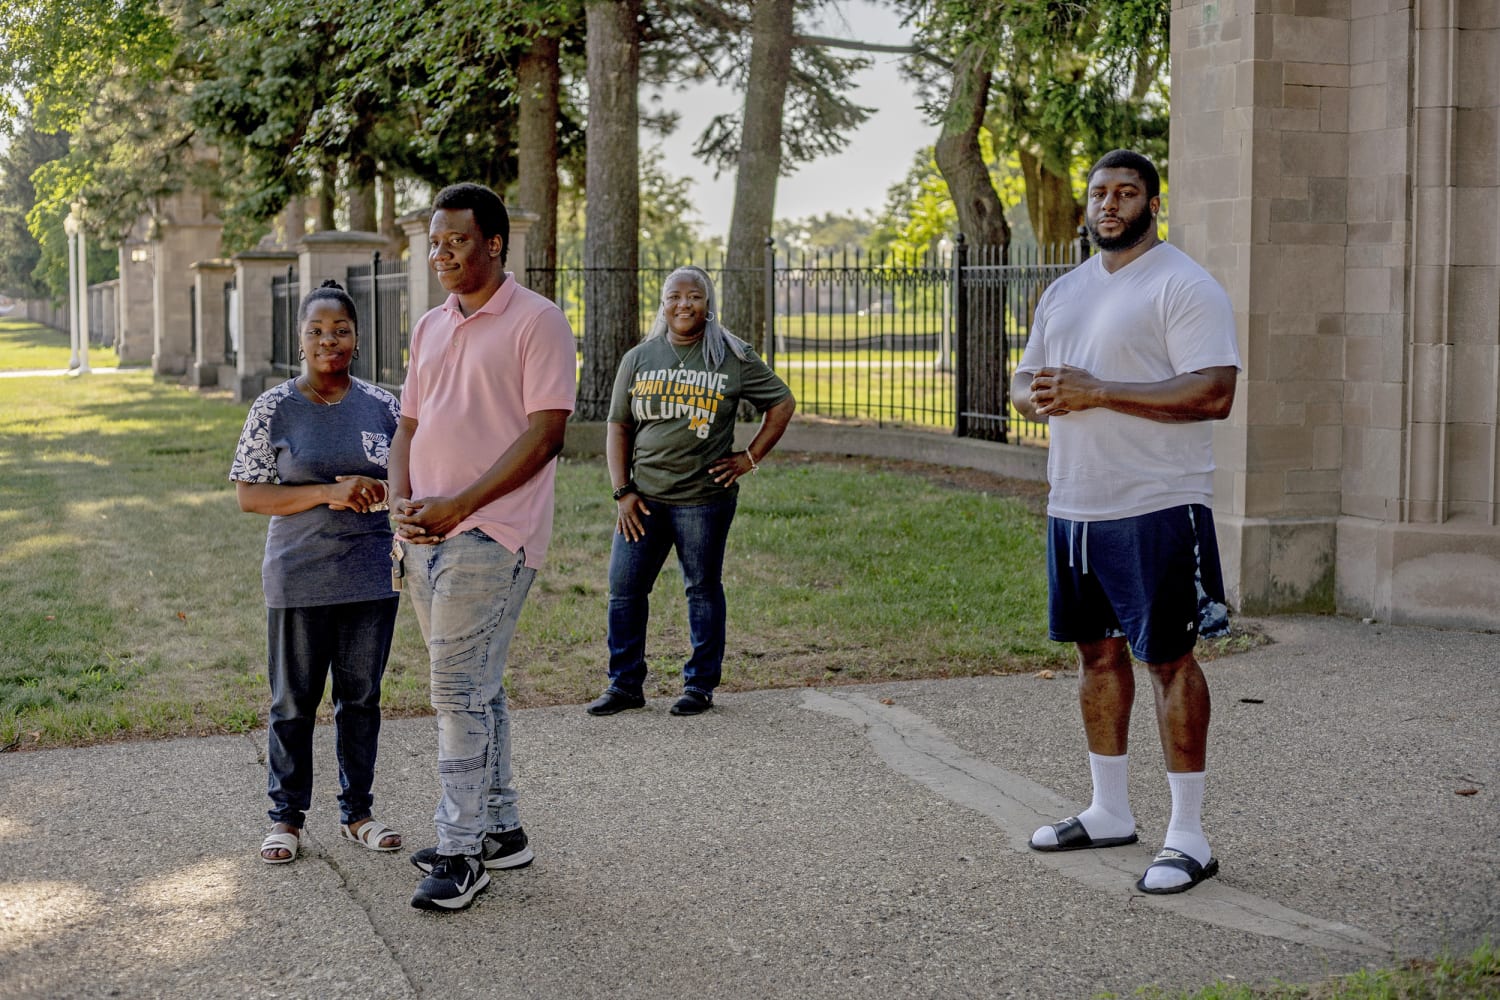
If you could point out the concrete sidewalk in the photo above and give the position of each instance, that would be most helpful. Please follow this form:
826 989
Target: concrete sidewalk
52 372
842 842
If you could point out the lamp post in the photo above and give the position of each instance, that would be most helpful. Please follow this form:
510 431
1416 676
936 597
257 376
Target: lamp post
70 227
83 293
78 291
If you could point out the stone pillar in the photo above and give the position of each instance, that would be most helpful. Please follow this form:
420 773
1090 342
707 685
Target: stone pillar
424 292
1259 184
515 253
330 254
253 271
134 337
1333 164
183 233
209 277
105 324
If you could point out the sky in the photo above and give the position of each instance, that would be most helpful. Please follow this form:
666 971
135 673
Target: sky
855 180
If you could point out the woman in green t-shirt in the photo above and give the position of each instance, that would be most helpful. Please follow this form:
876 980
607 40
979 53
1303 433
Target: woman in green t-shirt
672 461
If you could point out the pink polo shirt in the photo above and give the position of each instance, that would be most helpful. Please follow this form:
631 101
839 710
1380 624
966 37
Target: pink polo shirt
470 384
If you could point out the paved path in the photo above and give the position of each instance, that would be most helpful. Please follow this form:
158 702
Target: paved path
840 842
44 372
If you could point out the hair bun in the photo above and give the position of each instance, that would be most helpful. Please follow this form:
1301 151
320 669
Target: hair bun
330 283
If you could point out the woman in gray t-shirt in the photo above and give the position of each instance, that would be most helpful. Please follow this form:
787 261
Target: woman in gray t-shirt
313 456
671 457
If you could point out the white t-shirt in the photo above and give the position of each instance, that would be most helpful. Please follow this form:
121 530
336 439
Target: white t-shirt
1159 316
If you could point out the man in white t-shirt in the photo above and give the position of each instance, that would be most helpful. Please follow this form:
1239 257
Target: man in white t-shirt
1131 355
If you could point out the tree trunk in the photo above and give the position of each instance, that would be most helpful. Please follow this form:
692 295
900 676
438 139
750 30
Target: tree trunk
362 194
292 223
388 207
1050 205
743 300
539 84
611 250
981 217
983 397
328 195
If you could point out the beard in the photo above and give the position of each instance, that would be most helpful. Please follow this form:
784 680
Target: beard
1131 233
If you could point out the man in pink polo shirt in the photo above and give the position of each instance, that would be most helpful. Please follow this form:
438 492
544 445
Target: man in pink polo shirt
489 386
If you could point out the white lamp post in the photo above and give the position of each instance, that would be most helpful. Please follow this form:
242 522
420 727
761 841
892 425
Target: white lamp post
70 227
78 292
83 294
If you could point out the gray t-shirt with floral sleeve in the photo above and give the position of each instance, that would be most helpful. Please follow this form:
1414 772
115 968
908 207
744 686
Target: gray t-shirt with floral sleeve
321 556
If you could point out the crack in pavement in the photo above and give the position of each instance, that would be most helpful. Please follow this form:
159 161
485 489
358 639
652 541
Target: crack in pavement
912 746
313 850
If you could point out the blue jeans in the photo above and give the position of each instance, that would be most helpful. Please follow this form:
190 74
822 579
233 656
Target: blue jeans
699 534
467 593
303 646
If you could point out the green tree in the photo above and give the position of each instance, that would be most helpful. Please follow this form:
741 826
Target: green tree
108 75
1061 83
824 233
20 253
670 229
795 109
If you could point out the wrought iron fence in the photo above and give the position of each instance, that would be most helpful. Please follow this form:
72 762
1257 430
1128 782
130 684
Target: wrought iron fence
379 291
286 296
568 282
929 340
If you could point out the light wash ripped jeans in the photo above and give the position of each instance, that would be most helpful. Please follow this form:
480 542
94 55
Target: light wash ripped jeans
467 593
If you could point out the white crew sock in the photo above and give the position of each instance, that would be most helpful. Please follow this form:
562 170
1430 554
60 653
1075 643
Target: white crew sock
1185 831
1109 814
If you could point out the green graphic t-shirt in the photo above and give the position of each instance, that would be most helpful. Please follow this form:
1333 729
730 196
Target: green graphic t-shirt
683 415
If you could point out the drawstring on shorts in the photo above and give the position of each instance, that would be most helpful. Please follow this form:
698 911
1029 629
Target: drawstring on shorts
1083 546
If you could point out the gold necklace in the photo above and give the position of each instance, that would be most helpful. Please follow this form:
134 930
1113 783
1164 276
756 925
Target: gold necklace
321 398
681 359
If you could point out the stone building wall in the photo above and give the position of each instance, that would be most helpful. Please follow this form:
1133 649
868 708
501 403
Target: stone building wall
1334 164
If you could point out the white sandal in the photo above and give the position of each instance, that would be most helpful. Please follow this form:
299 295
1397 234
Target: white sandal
370 835
276 840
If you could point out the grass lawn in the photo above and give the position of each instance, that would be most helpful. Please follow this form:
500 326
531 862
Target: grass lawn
28 346
132 579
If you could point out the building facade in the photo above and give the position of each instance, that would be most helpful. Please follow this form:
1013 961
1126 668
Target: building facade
1336 164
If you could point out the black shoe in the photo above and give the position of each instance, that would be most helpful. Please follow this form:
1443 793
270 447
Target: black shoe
613 701
500 850
692 703
452 884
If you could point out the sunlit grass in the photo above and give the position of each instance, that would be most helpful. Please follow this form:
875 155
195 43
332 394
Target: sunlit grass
133 580
28 346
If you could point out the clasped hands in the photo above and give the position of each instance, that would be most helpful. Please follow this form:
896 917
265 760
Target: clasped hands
356 493
427 520
1057 391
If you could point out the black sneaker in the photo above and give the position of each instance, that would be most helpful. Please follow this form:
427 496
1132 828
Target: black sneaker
500 850
452 884
692 703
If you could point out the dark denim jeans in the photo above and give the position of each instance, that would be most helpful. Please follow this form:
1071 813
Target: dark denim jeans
304 645
699 534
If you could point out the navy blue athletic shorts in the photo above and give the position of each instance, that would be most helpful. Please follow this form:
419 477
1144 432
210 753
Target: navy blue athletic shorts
1153 579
